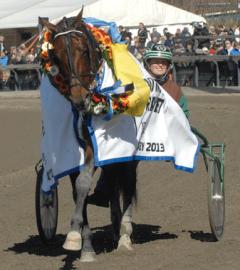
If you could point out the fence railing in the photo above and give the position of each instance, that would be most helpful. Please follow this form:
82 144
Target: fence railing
214 68
218 68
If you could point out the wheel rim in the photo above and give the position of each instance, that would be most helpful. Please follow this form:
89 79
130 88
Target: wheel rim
217 200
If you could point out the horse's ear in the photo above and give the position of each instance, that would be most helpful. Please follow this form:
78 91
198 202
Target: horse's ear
44 23
78 19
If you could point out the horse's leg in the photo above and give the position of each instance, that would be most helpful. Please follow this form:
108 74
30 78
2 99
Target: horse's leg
129 193
83 185
116 213
73 178
87 253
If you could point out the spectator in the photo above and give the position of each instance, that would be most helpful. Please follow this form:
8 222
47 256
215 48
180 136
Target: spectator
165 30
229 47
162 40
135 49
237 45
124 32
154 40
3 59
237 33
155 34
177 36
220 50
212 30
2 47
13 55
142 34
178 48
185 35
212 49
201 31
169 41
30 57
189 48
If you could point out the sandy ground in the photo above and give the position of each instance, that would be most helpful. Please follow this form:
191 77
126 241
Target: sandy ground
171 227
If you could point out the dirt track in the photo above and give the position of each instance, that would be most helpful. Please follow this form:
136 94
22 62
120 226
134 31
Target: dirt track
171 228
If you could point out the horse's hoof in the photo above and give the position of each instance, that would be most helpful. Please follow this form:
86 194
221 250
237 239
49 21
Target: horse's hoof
73 241
125 243
88 257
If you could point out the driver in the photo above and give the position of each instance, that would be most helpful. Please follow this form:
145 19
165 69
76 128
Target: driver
158 62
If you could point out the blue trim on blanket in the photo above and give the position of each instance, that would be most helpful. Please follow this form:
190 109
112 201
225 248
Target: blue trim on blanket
150 158
70 171
57 177
169 158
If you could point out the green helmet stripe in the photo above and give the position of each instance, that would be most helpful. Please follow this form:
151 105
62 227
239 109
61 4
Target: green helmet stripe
157 54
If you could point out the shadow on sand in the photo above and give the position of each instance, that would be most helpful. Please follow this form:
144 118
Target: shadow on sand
102 241
202 236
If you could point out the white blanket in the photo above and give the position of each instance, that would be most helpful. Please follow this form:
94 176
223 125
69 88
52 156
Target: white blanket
161 133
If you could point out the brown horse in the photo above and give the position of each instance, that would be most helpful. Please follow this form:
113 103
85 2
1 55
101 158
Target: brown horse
76 58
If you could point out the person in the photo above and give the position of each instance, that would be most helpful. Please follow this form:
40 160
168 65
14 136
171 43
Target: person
142 34
155 34
125 33
158 62
237 33
154 40
135 49
4 58
230 49
2 47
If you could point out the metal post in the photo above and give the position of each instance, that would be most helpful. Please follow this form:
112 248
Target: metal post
196 75
217 74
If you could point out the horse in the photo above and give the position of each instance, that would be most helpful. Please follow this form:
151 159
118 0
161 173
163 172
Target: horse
76 56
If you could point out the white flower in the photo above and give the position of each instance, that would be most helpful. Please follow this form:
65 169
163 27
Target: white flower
46 46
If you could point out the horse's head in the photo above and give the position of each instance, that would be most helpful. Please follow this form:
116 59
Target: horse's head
74 58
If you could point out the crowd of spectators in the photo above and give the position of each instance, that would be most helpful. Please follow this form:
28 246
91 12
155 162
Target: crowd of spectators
206 40
18 79
203 40
16 55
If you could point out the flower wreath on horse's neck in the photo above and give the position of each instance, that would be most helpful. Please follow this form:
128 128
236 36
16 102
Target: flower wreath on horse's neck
103 39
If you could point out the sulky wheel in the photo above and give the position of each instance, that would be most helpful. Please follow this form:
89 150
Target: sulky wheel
46 206
216 199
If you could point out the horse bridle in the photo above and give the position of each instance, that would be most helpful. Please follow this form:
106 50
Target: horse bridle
92 46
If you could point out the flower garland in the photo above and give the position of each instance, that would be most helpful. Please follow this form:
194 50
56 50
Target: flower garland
47 66
104 41
99 104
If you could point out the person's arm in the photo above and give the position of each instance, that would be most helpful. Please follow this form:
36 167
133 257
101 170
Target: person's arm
183 103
